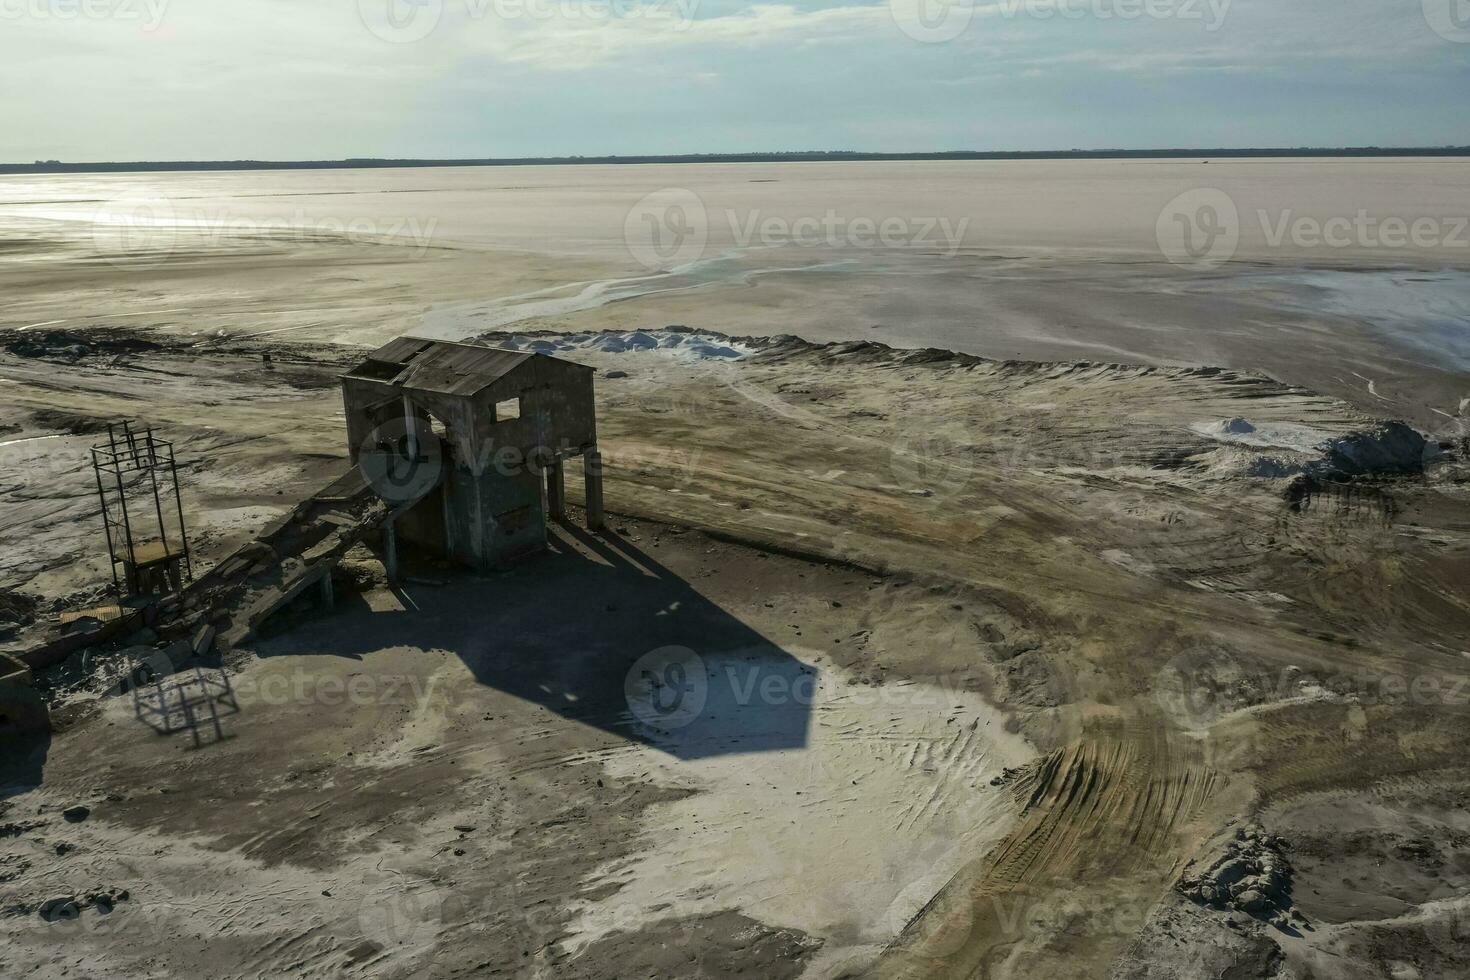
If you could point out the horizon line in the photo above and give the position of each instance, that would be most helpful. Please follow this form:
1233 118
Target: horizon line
776 156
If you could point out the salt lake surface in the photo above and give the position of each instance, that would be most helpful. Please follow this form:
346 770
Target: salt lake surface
1351 275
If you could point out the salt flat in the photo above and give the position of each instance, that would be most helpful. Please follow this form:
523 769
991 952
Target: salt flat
1030 259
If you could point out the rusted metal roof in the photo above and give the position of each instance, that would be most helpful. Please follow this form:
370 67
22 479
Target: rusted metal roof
400 350
441 366
458 369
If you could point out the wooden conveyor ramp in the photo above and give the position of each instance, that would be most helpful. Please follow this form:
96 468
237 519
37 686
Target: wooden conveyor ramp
292 554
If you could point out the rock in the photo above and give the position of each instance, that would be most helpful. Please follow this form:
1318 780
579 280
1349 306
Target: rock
1252 901
1244 872
178 653
105 901
76 814
615 374
144 637
1388 447
62 909
203 641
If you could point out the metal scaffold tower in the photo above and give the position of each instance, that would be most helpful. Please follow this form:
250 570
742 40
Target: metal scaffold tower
135 469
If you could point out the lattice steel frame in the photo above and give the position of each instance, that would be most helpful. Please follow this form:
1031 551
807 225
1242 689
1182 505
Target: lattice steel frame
128 451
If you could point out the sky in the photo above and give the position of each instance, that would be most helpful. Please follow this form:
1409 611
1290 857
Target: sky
95 80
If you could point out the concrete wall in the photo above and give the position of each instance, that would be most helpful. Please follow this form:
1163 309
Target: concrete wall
557 408
491 508
495 518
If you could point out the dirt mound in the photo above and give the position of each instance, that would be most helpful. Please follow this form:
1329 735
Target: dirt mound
58 420
1389 447
1235 426
70 345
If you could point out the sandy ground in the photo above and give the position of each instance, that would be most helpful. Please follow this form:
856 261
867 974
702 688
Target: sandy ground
1039 665
987 676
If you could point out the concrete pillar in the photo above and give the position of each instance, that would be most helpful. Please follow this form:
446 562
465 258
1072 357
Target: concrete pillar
410 430
556 491
390 551
447 515
329 598
592 468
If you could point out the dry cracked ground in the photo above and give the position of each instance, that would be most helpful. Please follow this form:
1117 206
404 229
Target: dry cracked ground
1003 669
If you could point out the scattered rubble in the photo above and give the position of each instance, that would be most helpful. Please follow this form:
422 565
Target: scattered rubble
16 610
1248 872
65 908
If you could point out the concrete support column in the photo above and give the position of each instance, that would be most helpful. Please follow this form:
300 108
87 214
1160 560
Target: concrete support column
390 550
556 491
410 430
329 598
592 468
448 516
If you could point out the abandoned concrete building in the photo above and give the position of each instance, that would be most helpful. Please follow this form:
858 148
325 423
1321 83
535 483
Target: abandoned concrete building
471 443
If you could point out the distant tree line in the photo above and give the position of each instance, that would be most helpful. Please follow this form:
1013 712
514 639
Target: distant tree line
792 156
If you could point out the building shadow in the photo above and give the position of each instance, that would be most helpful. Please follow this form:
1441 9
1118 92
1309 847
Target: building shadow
22 762
599 632
25 738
